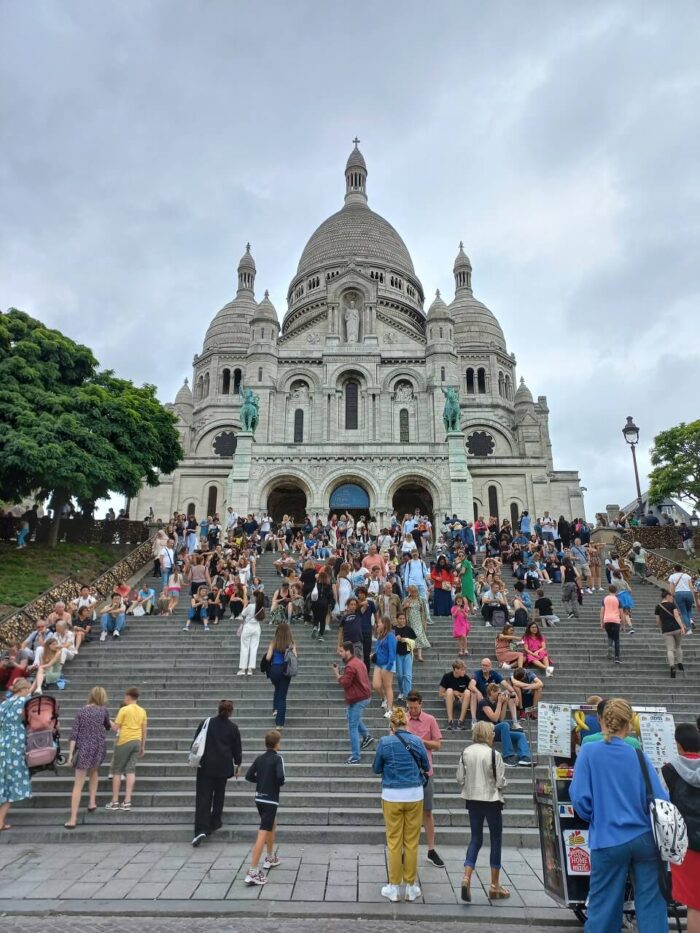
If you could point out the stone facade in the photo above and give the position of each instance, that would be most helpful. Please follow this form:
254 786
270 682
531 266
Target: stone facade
350 390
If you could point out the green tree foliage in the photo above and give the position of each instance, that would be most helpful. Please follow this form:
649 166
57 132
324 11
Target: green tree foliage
68 429
675 459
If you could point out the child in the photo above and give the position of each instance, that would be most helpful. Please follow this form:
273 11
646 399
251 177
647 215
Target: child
460 624
267 773
131 726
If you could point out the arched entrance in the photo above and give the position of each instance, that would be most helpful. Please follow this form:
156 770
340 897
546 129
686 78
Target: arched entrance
350 498
287 499
411 496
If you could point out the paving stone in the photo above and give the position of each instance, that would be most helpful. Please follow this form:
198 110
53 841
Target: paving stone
181 888
211 892
371 892
81 890
116 889
309 891
146 891
276 892
312 872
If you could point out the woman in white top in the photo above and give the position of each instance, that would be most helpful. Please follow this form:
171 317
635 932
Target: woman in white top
250 618
343 589
481 774
408 544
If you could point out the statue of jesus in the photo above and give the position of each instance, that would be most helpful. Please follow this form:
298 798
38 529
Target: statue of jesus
352 323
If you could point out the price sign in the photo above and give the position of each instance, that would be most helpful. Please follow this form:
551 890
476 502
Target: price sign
554 729
656 732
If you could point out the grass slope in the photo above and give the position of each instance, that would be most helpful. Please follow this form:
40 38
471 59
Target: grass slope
26 574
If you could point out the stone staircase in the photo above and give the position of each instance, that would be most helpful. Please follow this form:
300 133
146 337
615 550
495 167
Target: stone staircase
182 676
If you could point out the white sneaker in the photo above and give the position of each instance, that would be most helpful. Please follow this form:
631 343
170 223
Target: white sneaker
241 673
387 715
115 634
505 667
391 891
413 892
103 636
383 704
549 671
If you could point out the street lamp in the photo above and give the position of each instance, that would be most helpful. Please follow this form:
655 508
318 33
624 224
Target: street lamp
631 435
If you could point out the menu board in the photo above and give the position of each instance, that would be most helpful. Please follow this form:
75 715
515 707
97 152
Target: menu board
554 729
656 731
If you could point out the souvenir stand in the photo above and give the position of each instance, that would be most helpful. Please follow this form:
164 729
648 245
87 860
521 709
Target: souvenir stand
566 857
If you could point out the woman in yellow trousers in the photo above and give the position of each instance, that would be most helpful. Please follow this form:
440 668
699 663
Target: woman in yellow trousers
402 761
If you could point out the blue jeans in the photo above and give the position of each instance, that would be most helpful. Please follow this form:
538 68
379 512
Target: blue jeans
356 726
492 812
685 603
165 576
512 743
609 867
22 537
279 701
110 624
404 673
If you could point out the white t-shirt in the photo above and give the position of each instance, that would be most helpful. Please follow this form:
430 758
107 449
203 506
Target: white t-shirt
547 523
681 582
169 557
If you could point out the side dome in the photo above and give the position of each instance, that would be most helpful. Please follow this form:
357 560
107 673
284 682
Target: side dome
184 394
265 312
523 396
438 309
475 324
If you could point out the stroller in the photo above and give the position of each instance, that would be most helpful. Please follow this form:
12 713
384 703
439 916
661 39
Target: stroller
43 751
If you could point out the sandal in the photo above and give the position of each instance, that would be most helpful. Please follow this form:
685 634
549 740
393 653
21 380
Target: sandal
92 809
5 826
69 825
467 890
498 892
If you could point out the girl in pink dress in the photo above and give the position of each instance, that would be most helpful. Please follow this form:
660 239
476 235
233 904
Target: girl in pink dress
460 624
536 652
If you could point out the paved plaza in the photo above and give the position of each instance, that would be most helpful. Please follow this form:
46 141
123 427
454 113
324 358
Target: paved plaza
162 879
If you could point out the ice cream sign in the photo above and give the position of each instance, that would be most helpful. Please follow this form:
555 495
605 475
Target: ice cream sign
578 855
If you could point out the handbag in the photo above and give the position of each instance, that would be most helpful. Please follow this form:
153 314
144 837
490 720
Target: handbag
265 665
424 776
667 824
196 752
314 593
138 611
291 664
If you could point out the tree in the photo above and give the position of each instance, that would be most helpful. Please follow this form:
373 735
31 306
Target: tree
675 458
68 429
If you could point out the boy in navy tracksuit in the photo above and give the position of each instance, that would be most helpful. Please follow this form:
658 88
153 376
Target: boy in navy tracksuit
267 773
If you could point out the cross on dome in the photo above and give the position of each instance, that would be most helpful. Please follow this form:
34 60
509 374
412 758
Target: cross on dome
357 142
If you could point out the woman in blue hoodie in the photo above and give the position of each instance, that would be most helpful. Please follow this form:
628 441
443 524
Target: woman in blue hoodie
608 790
385 663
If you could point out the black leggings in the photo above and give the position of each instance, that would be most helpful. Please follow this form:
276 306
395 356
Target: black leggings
319 611
612 630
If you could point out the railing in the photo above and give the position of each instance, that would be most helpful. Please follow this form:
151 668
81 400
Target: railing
84 531
17 626
657 536
661 567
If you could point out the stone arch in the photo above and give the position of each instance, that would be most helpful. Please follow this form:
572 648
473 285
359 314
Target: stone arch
417 380
470 424
204 438
418 477
208 497
342 475
353 369
283 492
306 375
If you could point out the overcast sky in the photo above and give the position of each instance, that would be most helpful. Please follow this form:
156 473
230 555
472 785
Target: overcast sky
143 143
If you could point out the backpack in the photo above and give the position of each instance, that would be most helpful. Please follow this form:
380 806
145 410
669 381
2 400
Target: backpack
291 663
667 824
41 724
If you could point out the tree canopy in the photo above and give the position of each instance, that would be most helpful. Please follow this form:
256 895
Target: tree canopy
68 429
675 458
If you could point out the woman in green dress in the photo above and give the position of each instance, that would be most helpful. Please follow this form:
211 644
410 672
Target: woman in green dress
466 572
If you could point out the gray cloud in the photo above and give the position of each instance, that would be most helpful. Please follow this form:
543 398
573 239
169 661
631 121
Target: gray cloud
143 145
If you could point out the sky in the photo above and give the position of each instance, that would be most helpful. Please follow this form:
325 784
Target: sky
143 144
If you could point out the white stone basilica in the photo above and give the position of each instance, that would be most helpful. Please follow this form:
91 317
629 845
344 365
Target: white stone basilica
350 393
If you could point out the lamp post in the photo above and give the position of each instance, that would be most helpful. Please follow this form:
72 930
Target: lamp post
631 435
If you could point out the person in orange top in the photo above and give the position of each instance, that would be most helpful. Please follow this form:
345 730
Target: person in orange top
610 620
442 577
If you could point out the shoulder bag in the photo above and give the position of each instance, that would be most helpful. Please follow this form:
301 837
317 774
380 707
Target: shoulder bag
424 776
196 752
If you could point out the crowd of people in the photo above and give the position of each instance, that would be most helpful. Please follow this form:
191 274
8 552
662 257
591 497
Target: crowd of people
379 590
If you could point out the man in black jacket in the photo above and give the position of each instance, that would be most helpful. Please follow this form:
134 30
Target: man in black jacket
221 760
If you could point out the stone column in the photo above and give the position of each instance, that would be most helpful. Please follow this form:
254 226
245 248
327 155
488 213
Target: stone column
461 491
238 484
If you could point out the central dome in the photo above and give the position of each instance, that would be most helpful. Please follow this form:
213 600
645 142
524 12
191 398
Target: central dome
355 233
